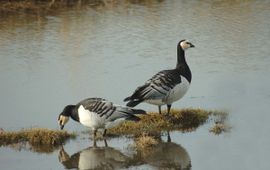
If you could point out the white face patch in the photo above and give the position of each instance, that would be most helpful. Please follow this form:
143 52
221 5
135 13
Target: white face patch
184 45
63 120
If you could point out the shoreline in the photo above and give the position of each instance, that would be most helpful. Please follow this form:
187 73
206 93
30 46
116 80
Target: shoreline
151 125
43 7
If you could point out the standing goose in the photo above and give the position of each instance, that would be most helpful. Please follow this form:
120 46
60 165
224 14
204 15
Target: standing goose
98 113
167 86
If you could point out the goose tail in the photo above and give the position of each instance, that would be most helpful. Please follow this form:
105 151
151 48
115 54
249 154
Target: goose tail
133 103
133 118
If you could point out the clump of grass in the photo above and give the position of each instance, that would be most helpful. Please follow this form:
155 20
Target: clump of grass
35 137
183 120
219 128
145 142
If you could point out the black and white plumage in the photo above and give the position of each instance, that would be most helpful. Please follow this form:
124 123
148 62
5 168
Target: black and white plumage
166 86
95 158
98 113
167 155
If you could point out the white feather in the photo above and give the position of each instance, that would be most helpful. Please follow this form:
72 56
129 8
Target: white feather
114 123
90 119
178 91
174 94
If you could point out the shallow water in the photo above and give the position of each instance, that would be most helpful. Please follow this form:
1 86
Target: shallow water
57 59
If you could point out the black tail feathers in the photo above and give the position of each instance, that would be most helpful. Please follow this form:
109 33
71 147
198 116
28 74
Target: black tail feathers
133 103
138 111
127 99
133 118
135 112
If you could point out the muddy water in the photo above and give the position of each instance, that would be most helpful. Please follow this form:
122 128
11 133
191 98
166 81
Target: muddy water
47 62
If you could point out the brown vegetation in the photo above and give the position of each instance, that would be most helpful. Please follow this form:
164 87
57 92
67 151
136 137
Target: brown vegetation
35 137
46 6
145 141
146 131
153 123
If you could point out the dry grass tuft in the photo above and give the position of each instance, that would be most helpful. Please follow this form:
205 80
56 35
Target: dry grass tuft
183 120
35 137
145 142
219 128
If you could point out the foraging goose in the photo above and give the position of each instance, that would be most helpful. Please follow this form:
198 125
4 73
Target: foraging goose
98 113
167 86
95 158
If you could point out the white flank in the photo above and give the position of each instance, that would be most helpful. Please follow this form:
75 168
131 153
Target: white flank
175 94
178 91
155 102
114 123
90 119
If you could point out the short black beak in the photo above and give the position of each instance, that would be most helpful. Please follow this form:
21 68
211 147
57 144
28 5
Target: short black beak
61 127
191 45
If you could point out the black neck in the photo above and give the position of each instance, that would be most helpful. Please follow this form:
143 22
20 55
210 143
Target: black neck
181 60
74 113
182 64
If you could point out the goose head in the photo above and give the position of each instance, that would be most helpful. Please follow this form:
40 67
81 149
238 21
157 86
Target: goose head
63 117
184 44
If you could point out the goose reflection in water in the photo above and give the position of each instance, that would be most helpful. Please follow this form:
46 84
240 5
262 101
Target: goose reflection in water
94 158
167 155
164 155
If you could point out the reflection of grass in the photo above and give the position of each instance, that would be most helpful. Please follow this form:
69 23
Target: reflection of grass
219 128
183 120
145 131
145 141
36 137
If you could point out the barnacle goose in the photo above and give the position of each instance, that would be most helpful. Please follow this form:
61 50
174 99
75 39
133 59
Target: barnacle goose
167 86
174 157
95 158
98 113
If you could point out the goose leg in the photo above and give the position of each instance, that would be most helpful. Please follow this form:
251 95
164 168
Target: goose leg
95 143
95 134
168 137
105 143
168 108
104 133
159 109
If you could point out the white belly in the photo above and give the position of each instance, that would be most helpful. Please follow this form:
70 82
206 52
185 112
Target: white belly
173 95
114 123
90 119
178 91
155 102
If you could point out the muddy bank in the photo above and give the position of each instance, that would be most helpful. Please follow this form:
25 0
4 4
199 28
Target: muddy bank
41 7
50 6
